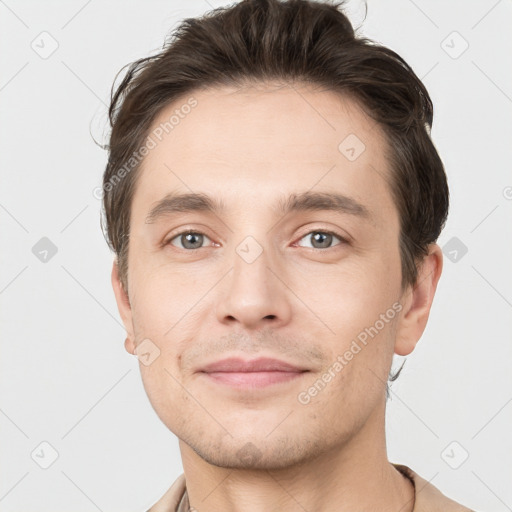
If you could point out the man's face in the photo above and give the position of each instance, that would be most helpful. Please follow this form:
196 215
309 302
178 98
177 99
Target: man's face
257 281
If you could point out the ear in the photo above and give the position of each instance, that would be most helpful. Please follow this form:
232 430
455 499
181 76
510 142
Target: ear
417 301
124 307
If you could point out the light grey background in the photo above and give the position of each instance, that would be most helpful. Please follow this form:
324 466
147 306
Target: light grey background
65 377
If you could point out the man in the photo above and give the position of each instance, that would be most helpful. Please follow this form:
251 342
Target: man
273 198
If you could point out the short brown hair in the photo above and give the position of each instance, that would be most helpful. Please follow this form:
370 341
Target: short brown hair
294 41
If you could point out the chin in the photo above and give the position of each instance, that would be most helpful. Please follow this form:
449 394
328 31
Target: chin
259 454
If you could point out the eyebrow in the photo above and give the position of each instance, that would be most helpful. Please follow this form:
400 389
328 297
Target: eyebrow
304 201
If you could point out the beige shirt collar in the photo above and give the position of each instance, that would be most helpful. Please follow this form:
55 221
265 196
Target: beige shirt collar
428 497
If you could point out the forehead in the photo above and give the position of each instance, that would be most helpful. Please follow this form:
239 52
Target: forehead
244 145
259 121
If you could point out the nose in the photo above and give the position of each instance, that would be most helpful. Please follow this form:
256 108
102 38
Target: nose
254 293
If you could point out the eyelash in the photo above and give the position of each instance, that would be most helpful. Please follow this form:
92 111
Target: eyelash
323 231
343 240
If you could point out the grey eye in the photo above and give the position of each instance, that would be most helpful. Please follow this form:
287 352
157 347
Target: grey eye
189 240
321 239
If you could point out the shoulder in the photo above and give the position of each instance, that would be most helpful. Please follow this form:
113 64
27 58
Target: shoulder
428 497
172 498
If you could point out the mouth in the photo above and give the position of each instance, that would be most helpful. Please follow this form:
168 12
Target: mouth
252 379
258 373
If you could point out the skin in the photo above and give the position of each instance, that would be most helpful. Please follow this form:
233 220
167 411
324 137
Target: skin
261 449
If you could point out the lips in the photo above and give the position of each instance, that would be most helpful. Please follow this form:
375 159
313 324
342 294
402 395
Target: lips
258 373
263 364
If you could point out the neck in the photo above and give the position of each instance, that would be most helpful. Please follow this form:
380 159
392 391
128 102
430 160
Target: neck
355 475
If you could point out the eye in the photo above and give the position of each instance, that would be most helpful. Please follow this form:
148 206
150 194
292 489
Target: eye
322 239
189 240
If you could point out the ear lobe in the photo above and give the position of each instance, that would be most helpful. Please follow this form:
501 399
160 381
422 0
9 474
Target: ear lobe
129 345
417 301
124 308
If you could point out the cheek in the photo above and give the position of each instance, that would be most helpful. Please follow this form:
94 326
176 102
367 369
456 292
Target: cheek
354 306
163 299
348 294
168 309
165 392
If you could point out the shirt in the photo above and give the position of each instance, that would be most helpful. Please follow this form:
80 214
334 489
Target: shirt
427 497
